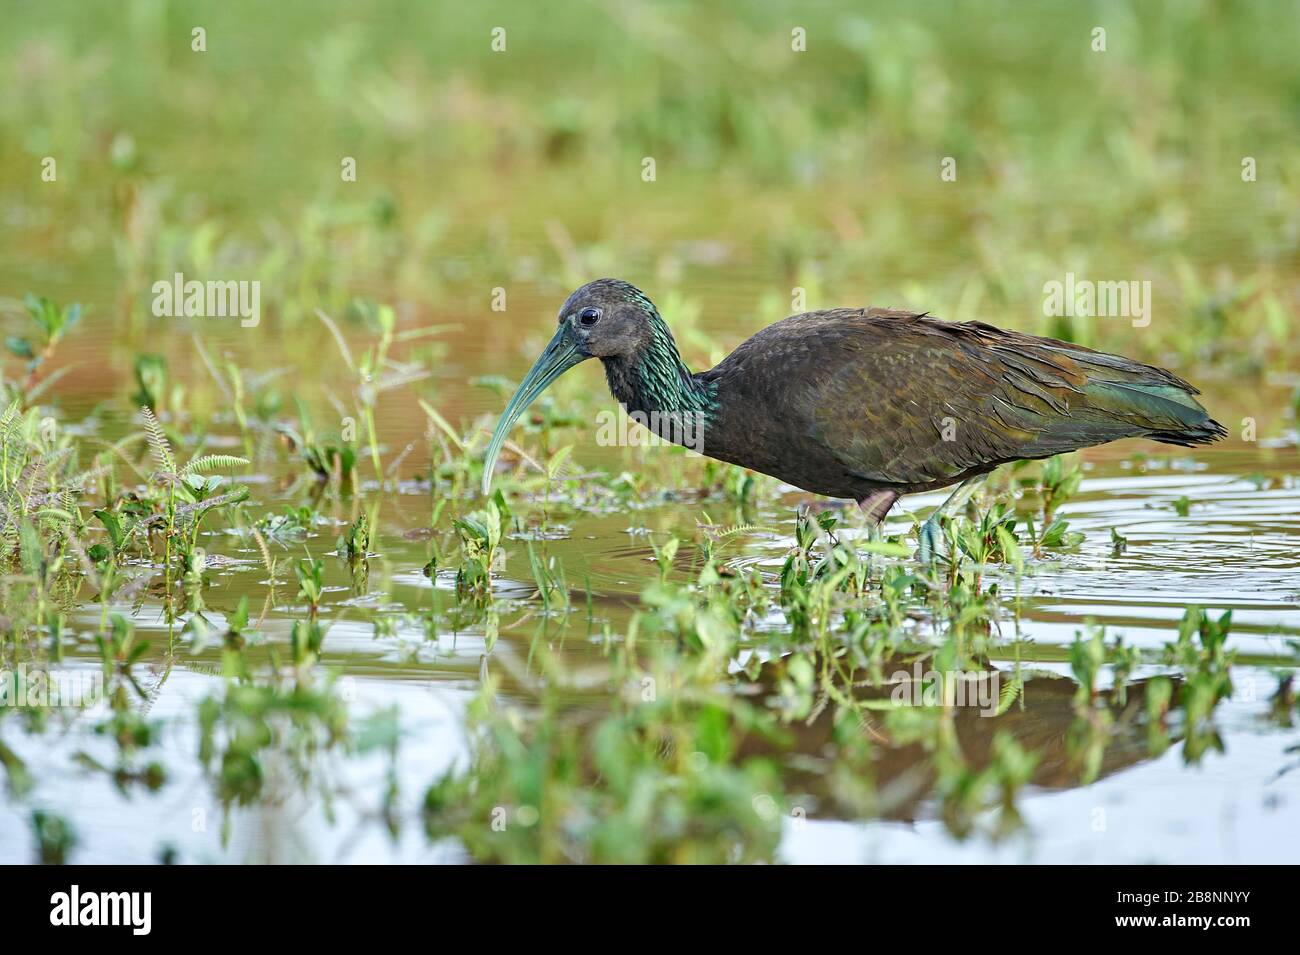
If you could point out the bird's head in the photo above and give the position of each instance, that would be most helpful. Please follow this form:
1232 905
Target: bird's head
607 319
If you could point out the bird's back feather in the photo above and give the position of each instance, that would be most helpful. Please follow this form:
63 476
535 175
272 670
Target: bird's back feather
846 400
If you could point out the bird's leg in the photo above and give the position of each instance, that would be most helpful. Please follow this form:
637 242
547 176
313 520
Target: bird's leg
931 534
875 506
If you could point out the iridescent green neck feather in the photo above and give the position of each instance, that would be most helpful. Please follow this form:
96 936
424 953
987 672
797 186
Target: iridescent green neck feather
654 378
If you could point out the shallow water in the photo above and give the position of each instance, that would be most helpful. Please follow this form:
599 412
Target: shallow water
776 172
1238 548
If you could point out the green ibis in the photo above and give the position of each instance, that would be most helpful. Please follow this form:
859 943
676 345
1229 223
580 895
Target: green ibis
866 403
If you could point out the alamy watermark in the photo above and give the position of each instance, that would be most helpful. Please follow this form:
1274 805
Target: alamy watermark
212 299
75 907
685 428
977 688
38 687
1088 299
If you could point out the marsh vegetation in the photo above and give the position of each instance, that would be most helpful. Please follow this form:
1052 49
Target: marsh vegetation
282 622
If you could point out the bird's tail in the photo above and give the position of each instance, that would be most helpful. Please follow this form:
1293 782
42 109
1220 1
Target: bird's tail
1163 410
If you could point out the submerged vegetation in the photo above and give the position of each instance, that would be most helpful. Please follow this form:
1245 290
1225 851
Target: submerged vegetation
254 606
731 701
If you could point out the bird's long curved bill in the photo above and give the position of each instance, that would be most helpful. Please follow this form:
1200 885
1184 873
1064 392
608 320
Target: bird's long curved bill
560 355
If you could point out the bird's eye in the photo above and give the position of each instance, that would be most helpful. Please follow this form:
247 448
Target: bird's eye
589 317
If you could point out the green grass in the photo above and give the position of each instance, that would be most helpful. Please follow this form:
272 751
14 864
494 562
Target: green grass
727 691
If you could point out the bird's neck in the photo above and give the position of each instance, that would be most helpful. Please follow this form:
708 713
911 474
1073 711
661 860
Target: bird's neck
655 379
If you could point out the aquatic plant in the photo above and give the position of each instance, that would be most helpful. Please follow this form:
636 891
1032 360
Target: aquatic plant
52 322
669 606
653 780
480 540
55 837
188 496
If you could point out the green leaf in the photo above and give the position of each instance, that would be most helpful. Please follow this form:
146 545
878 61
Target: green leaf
886 548
1011 692
113 526
557 459
158 443
212 462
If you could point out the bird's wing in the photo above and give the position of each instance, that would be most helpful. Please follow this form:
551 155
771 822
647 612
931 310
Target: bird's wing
901 398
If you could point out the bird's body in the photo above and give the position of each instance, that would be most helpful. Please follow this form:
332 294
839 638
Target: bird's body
869 404
851 401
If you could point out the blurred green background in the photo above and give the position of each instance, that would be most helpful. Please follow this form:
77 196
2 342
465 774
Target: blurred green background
522 169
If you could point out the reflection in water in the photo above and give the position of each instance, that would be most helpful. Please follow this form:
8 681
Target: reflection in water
406 636
1044 721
